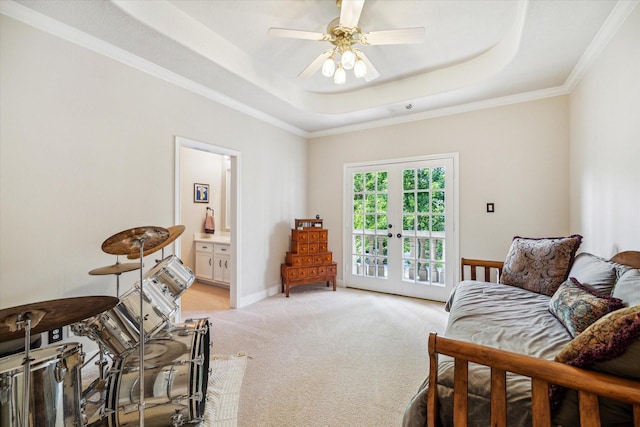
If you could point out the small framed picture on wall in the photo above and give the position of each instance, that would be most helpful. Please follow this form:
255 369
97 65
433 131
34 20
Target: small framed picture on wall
201 193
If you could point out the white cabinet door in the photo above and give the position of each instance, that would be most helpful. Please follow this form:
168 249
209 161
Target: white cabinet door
226 269
221 265
204 265
204 260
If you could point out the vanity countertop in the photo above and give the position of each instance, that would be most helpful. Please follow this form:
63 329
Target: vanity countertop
212 238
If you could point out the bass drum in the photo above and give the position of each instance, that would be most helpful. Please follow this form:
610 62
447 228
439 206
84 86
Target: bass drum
54 387
176 373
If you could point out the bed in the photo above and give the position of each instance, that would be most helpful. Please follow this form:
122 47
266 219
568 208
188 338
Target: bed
496 363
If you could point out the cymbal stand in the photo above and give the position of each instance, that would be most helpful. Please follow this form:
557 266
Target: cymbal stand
118 278
142 336
24 320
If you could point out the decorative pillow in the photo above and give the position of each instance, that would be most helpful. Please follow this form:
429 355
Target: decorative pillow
610 345
628 287
577 306
595 272
539 265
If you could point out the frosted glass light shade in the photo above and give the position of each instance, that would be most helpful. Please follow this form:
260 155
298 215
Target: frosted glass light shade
360 69
348 60
328 67
340 77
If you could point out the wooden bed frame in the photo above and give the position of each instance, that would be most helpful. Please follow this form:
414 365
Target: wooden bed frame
589 384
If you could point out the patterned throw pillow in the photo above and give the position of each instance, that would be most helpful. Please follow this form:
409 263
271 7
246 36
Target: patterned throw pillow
610 345
577 307
539 265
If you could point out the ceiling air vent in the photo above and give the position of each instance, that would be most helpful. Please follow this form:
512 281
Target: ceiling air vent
401 108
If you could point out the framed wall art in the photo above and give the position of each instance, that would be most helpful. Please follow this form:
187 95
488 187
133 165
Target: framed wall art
201 193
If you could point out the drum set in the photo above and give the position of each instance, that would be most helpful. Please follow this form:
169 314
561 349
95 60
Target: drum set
149 369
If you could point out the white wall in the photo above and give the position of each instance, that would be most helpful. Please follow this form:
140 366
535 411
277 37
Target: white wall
605 146
87 150
514 156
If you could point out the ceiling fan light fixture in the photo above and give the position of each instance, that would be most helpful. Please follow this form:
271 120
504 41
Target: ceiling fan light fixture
328 67
360 68
348 59
340 76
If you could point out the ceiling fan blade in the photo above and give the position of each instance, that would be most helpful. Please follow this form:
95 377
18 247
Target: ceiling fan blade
297 34
372 73
315 65
350 13
400 36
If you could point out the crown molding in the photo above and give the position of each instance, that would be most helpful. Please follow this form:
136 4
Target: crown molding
614 21
448 111
33 18
70 34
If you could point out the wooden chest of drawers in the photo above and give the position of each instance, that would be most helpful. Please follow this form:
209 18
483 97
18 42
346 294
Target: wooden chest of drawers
309 260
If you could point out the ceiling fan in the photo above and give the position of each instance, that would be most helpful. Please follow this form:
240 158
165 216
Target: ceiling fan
343 32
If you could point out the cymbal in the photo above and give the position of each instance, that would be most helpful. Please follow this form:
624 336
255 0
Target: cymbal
116 268
174 232
128 241
47 315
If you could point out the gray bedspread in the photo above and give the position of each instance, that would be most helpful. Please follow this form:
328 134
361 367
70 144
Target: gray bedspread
499 316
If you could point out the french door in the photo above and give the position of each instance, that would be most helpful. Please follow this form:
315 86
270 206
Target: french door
400 233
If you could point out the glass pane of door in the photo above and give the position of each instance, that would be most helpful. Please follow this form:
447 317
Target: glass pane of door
423 220
400 229
369 248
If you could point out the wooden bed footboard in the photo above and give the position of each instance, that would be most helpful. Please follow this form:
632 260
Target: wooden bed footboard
542 372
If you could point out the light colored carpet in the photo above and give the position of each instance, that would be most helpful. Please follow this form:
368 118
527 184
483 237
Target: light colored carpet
324 358
223 391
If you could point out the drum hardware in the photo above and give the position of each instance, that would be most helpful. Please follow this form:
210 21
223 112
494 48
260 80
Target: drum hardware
129 242
177 419
118 268
26 397
100 363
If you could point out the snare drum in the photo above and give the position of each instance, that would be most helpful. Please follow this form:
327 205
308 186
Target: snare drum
172 273
118 329
55 387
175 375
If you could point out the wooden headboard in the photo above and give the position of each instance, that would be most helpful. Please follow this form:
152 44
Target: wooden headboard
630 258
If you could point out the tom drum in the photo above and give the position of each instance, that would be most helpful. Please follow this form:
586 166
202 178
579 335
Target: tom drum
173 274
118 329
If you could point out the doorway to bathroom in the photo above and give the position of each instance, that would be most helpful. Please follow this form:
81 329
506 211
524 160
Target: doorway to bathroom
206 202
